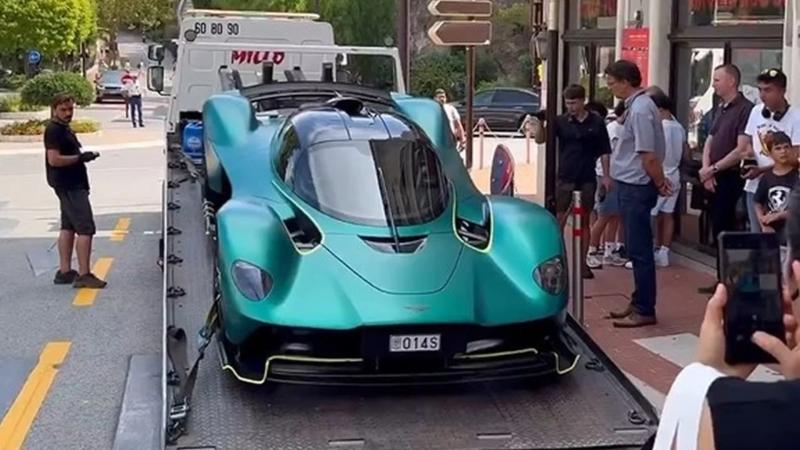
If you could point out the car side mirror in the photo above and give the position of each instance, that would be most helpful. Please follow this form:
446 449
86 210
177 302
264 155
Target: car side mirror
155 78
155 52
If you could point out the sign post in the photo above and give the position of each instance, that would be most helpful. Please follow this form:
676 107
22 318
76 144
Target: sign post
463 32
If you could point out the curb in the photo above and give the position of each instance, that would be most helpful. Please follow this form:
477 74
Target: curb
26 115
96 147
37 137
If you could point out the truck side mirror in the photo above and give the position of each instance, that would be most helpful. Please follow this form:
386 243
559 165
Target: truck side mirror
155 52
155 78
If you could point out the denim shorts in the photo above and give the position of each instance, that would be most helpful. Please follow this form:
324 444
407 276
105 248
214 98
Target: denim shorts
608 203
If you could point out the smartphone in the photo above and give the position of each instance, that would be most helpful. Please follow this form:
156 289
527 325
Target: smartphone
746 164
750 267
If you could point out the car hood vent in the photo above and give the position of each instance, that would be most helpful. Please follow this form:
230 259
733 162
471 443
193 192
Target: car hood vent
409 244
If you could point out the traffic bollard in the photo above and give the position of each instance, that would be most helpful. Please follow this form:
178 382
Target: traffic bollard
481 127
577 256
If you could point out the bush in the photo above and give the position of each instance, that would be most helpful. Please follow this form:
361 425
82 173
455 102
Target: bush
10 103
41 89
13 82
13 103
36 127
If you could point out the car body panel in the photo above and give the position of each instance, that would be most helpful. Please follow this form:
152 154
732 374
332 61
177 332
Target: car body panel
343 283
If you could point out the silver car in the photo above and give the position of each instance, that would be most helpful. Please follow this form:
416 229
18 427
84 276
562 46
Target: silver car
109 86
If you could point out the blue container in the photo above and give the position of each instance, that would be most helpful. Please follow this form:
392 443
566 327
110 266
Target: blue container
192 142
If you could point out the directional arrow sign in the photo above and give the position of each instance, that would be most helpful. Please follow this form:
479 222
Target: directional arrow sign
452 32
461 8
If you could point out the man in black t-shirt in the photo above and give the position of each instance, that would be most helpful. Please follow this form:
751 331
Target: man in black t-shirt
582 139
65 165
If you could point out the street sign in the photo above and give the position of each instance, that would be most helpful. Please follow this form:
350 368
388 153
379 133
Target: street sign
461 8
453 32
34 57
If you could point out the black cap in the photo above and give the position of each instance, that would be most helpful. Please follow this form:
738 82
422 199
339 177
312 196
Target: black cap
773 76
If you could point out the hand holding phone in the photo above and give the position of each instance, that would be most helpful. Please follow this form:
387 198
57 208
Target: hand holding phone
750 268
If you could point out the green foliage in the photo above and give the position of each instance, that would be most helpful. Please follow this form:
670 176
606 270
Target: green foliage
437 69
113 15
10 103
36 127
255 5
41 89
53 27
13 82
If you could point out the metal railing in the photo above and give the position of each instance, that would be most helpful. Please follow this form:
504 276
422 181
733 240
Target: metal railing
481 130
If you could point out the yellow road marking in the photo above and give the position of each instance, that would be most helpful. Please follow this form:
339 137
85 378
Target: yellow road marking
86 296
121 229
15 425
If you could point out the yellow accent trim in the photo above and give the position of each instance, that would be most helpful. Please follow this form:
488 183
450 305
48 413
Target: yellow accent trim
86 296
491 226
287 358
297 205
499 354
121 229
568 369
17 422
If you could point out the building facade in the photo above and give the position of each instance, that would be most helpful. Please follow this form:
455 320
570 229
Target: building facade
677 44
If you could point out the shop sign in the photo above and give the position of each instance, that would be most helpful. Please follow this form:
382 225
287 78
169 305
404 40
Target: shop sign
636 48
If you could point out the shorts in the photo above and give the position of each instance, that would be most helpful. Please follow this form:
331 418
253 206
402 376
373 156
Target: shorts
76 211
608 204
564 195
665 205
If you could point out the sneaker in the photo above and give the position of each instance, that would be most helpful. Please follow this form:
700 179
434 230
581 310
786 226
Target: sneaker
67 277
594 260
661 257
89 281
635 320
629 265
615 260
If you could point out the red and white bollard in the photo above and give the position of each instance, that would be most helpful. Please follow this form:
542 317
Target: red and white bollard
481 132
576 293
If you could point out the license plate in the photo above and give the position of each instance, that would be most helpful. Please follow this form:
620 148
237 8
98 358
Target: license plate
414 342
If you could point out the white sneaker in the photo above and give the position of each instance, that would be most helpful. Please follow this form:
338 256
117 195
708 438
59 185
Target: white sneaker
629 265
661 257
614 260
594 261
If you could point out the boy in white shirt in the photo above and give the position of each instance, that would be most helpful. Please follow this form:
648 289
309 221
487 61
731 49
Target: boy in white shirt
676 148
773 114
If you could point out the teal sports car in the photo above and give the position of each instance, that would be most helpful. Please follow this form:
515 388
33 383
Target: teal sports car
354 248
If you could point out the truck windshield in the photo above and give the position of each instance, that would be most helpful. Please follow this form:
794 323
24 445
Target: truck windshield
342 179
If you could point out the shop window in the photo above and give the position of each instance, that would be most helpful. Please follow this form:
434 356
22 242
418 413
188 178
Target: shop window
751 62
735 12
597 14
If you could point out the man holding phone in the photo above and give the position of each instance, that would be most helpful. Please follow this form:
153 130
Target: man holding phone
774 114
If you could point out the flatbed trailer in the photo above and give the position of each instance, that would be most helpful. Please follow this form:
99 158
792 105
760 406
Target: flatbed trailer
593 407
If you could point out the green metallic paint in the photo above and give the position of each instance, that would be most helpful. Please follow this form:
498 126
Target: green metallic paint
343 283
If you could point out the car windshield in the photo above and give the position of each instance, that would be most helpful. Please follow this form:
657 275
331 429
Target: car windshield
111 77
372 183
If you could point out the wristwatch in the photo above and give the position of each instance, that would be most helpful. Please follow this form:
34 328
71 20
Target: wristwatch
714 168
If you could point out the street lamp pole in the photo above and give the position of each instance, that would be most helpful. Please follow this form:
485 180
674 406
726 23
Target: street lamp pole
552 105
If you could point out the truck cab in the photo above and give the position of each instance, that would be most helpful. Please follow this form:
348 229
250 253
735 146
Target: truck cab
211 39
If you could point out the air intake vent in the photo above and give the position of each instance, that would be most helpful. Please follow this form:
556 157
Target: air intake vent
303 233
409 244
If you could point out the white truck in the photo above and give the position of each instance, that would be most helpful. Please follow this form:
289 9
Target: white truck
240 40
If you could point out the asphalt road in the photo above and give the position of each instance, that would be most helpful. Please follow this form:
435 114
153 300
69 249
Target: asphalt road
80 409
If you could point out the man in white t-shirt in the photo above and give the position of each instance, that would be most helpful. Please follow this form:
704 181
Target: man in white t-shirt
452 116
773 114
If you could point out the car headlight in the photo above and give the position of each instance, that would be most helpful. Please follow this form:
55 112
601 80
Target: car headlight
253 282
551 276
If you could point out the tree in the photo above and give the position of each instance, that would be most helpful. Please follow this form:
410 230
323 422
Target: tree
53 27
255 5
114 15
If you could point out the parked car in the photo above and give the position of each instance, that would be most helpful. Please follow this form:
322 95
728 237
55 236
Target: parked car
503 109
109 86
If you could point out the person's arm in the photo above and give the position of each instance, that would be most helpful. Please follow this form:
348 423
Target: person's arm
707 151
644 133
56 159
53 154
734 157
